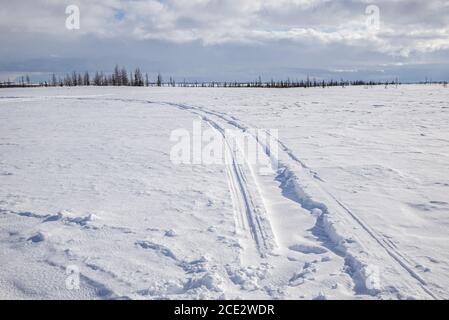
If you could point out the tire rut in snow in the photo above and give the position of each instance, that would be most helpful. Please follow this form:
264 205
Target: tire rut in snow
329 235
250 213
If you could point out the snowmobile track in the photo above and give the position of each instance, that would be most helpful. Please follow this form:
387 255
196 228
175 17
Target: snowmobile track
394 253
250 214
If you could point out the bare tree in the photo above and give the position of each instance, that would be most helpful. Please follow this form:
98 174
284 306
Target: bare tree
97 79
86 80
74 79
53 80
124 77
138 80
116 77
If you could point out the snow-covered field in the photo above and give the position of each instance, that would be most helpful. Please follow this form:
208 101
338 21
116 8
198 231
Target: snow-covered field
358 208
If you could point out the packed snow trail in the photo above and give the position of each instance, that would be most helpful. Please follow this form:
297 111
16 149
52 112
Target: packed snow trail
358 267
243 184
249 209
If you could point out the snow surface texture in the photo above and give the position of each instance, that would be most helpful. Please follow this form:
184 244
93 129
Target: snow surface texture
358 208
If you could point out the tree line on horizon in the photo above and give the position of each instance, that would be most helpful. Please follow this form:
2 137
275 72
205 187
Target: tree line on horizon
121 77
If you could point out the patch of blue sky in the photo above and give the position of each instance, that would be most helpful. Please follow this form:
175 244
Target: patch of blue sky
119 14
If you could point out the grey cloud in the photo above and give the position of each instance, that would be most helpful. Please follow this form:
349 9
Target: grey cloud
195 35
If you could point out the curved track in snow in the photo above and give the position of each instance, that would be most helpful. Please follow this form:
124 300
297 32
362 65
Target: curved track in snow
250 213
358 267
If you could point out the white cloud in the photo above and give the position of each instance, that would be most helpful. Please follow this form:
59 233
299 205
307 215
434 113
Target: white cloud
407 26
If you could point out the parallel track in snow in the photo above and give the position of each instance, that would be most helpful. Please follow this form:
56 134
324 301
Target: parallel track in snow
250 213
402 261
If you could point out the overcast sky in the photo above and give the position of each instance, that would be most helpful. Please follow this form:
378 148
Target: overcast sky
230 39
